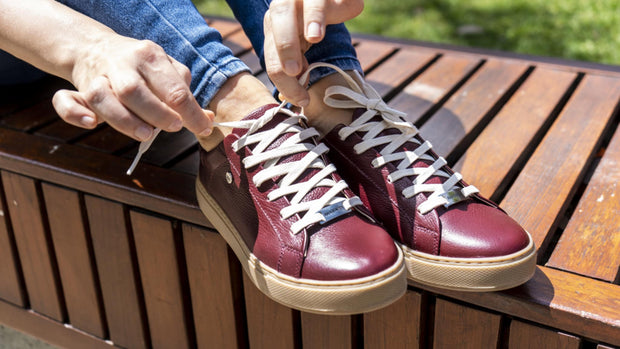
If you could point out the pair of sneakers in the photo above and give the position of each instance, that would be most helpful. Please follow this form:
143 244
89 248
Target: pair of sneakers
339 226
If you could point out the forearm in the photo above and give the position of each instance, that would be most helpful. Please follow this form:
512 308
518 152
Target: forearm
48 34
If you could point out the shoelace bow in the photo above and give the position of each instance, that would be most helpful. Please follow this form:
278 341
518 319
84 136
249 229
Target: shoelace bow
329 205
360 94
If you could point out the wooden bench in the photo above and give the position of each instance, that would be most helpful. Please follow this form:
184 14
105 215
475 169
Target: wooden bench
92 258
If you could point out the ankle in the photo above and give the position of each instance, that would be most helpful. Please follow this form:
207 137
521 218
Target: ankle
239 96
321 116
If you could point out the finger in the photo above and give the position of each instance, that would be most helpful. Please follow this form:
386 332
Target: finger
172 88
134 93
287 85
314 20
284 28
73 109
337 11
101 99
182 70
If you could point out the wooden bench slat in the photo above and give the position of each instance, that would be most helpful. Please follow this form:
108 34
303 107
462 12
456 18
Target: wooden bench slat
238 42
432 85
160 190
554 170
397 69
224 27
370 53
216 289
166 147
53 332
397 325
466 110
590 244
270 324
573 303
162 288
524 335
458 326
75 263
495 154
34 246
62 131
117 272
326 331
107 140
11 287
32 117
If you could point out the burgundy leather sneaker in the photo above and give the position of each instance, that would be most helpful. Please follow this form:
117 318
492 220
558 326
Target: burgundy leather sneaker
451 236
302 236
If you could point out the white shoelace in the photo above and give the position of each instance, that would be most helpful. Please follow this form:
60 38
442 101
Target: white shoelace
330 205
360 94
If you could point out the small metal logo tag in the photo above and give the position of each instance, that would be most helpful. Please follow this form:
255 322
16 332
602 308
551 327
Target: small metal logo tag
453 196
333 211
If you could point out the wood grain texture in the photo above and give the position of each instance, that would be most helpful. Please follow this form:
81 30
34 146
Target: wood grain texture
270 324
457 326
75 263
433 85
456 120
216 301
51 331
167 192
121 292
32 117
326 331
524 336
34 246
395 326
11 288
495 153
397 70
590 244
370 53
558 164
554 298
161 281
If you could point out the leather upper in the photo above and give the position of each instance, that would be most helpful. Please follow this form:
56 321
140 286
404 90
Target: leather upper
469 229
349 247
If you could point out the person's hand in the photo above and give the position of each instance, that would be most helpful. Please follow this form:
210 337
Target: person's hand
134 86
291 27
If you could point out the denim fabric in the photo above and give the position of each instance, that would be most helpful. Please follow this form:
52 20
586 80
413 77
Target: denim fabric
179 29
177 26
336 48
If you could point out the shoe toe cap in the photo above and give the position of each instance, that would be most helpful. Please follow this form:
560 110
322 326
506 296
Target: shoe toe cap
476 230
349 249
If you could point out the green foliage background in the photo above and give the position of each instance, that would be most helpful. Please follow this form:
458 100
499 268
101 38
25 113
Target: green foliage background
586 30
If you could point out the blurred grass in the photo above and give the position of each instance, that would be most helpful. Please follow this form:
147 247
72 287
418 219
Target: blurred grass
587 30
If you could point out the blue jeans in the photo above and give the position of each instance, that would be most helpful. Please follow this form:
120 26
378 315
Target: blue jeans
177 26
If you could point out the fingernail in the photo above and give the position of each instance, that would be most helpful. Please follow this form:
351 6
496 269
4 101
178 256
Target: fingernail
304 103
143 133
206 132
314 30
176 125
291 67
87 121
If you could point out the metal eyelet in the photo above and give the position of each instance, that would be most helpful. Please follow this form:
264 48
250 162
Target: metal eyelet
229 178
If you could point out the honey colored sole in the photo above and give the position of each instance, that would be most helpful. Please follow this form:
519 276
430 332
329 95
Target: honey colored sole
471 274
322 297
